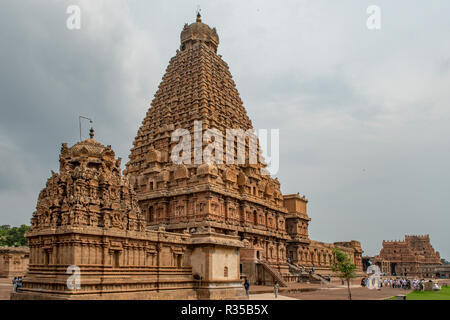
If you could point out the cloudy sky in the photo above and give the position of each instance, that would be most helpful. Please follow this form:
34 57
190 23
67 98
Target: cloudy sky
364 115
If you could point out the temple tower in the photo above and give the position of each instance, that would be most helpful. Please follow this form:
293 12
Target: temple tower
197 94
414 256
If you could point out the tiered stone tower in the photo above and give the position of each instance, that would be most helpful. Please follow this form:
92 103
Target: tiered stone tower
423 249
88 192
413 256
227 198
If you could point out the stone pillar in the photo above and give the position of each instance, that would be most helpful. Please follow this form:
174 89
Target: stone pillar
215 263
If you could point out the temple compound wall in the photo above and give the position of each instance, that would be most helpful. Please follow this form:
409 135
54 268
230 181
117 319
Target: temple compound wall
414 256
13 261
440 271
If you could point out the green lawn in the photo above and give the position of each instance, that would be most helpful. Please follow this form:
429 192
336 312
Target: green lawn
444 294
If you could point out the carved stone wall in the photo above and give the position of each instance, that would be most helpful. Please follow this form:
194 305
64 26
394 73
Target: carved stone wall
230 198
87 220
13 261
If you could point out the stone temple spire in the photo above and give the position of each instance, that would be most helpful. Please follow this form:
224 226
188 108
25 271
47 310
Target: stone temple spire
197 86
198 32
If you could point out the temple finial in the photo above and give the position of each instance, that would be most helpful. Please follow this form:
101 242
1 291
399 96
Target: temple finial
79 122
91 133
199 17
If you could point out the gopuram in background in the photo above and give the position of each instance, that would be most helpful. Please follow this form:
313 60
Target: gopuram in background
412 257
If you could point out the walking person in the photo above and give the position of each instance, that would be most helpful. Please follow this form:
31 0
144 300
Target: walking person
14 282
276 286
246 286
19 283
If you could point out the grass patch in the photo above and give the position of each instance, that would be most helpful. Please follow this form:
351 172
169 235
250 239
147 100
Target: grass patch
443 294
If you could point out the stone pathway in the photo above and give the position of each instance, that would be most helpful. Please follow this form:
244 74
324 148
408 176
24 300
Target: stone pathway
358 293
269 296
320 292
5 288
335 283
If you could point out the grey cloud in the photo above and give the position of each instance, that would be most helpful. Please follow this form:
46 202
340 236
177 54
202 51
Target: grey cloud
363 116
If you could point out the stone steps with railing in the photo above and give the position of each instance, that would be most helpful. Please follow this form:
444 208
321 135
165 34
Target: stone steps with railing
301 271
278 277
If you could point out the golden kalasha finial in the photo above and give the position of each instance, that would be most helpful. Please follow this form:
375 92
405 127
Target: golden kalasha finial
91 133
199 17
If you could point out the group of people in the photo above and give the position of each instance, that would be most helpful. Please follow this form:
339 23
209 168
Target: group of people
17 283
399 283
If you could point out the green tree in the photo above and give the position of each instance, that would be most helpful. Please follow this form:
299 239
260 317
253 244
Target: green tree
344 267
13 237
2 237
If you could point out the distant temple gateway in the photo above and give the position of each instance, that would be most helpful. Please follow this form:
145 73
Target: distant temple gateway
414 257
165 230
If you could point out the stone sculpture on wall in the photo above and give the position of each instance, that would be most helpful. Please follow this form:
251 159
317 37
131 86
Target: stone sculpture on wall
89 191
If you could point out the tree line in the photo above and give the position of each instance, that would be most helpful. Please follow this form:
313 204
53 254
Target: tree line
13 236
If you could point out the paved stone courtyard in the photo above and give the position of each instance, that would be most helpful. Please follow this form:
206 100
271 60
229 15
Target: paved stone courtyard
311 292
334 291
358 293
5 288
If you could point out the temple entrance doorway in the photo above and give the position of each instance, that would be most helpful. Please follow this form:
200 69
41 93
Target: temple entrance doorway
393 271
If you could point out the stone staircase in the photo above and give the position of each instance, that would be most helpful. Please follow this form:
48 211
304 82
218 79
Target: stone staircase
293 268
273 273
311 277
319 278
